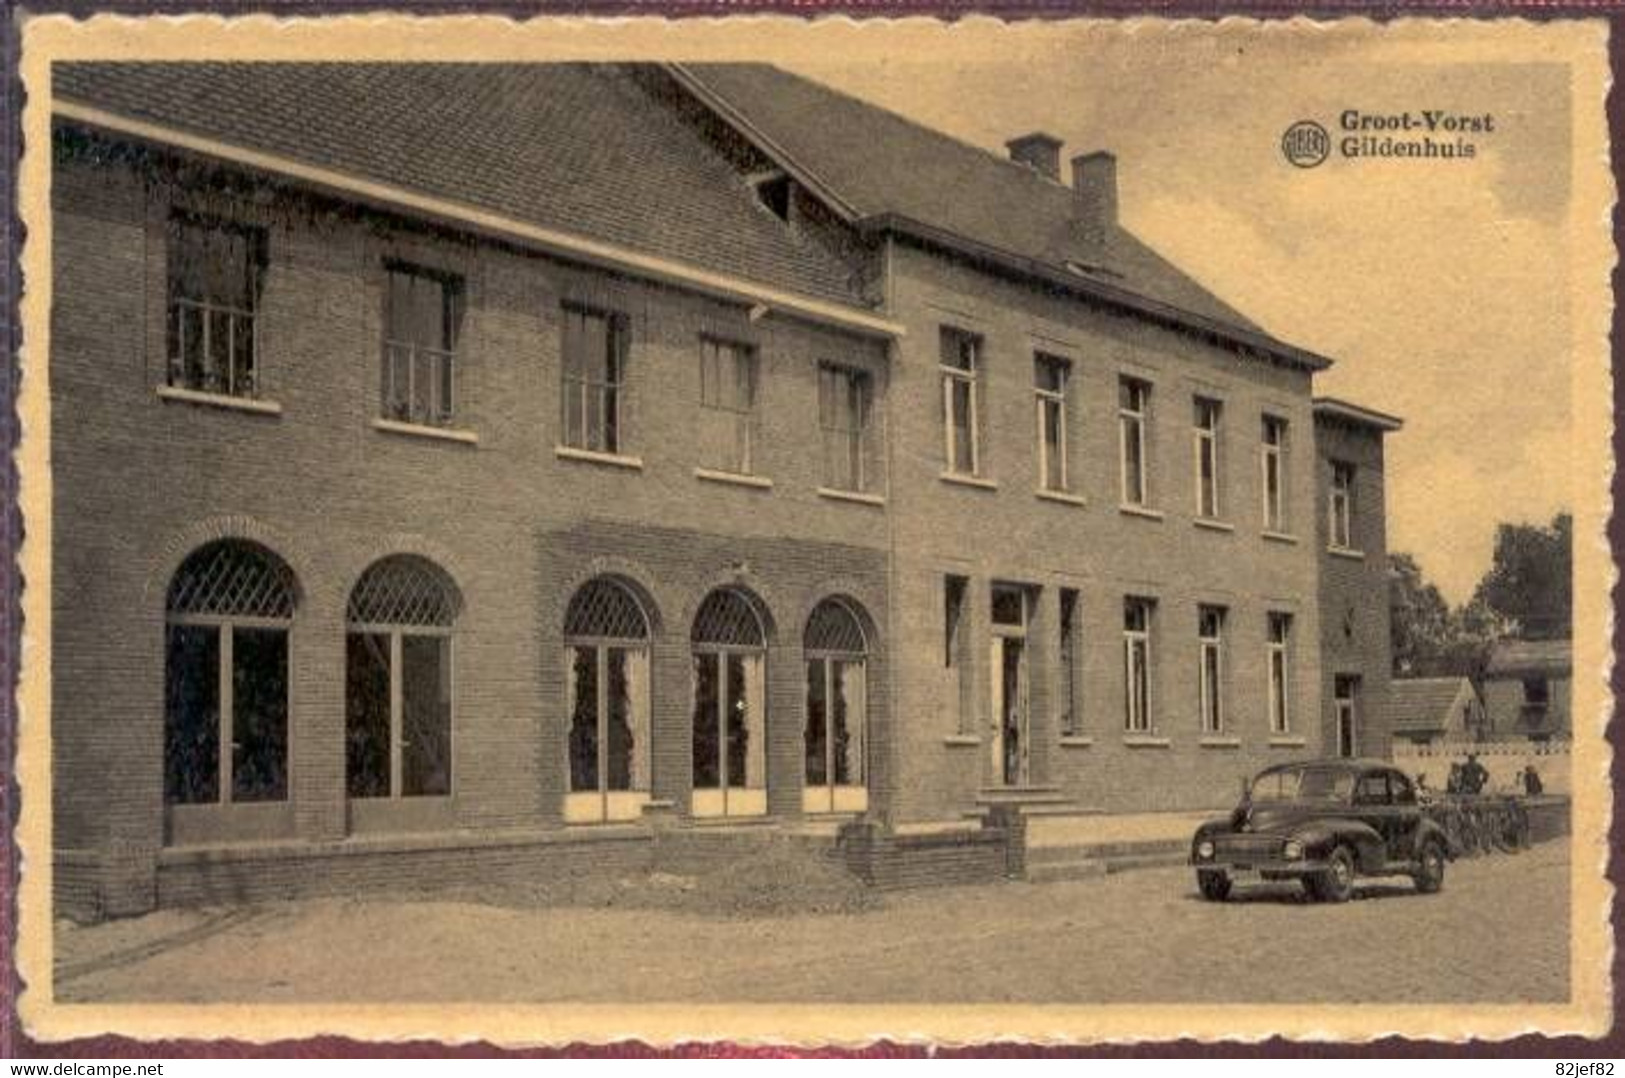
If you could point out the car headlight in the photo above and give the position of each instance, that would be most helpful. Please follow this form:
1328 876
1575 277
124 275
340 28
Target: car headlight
1292 850
1204 849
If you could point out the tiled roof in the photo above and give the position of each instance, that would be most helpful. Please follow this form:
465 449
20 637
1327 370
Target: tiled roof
1422 705
1515 657
879 163
579 148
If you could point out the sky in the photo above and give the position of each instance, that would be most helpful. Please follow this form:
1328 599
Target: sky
1441 289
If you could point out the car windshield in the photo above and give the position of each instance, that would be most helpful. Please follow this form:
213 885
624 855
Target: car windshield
1304 784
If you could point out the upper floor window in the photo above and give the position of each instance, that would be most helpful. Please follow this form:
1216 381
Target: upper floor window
843 418
961 367
1278 657
595 348
1206 432
1052 378
1210 633
1341 507
1137 614
422 317
1274 464
1133 405
214 283
727 406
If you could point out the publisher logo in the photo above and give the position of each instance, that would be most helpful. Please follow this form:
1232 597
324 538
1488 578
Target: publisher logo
1306 144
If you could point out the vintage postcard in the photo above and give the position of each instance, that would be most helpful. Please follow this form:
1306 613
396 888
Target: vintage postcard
814 531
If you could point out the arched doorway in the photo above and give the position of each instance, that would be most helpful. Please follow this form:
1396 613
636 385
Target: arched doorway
729 645
836 730
606 662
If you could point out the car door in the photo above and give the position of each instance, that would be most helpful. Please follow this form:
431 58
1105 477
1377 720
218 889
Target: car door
1373 808
1406 816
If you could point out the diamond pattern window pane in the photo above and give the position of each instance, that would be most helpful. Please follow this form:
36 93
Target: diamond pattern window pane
604 608
726 617
833 627
404 590
232 577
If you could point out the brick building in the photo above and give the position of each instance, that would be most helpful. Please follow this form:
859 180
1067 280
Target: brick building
477 468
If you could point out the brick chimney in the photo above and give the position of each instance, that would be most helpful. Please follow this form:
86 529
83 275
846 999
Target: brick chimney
1039 152
1094 183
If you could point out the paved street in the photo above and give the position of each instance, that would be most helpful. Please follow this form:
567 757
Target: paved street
1498 933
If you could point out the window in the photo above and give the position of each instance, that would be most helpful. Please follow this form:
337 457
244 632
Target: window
729 647
1279 667
214 284
727 406
961 368
775 193
1274 442
1071 705
398 680
1206 432
1052 378
1137 614
1341 509
843 417
1345 693
226 676
606 645
595 347
833 742
1133 399
956 685
1210 673
422 317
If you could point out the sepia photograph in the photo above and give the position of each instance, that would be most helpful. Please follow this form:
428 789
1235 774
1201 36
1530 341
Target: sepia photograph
815 531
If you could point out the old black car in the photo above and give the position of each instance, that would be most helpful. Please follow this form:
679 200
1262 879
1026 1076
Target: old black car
1324 822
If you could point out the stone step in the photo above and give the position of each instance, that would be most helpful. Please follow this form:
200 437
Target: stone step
1088 869
1108 850
1146 860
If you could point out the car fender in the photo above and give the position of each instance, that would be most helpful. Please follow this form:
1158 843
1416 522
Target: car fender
1430 828
1319 837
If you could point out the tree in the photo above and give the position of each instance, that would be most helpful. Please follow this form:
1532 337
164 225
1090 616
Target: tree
1530 580
1429 638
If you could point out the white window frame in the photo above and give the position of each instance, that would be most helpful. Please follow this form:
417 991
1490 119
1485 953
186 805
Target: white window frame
1211 644
1278 668
1131 422
1345 691
209 308
1340 506
1206 427
742 408
439 361
1272 462
574 389
1068 602
970 377
396 633
1046 401
850 435
1137 657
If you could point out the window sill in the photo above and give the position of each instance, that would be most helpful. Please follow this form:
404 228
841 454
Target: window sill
219 400
1139 511
419 430
1346 552
737 479
1214 525
1283 741
963 480
1281 537
1218 741
592 456
1076 741
961 739
858 496
1061 497
1147 741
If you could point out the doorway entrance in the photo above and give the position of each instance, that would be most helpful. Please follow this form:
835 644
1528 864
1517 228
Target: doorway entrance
1008 679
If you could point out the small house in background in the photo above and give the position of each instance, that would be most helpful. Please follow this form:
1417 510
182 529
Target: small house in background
1431 709
1527 689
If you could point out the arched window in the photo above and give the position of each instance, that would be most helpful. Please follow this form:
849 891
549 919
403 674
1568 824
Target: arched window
606 656
226 686
730 706
836 653
398 680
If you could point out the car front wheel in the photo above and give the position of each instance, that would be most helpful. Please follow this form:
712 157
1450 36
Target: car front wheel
1215 886
1429 875
1335 883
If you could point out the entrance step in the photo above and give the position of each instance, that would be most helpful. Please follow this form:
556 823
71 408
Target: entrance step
1107 851
1050 863
1029 799
1165 859
1058 871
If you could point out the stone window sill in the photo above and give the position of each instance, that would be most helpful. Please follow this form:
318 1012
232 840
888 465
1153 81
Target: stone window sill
1147 741
961 739
1281 537
1346 552
219 400
1214 525
858 496
1061 497
973 481
737 479
592 456
1219 741
419 430
1281 741
1139 511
